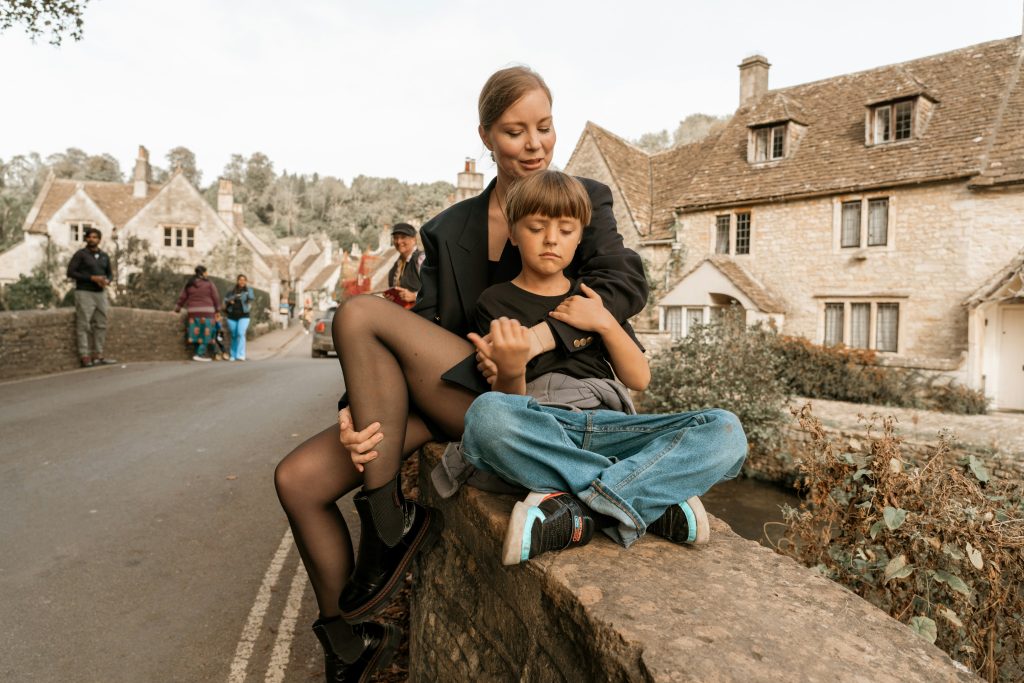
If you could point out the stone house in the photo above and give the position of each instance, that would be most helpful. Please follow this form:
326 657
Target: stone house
882 210
174 220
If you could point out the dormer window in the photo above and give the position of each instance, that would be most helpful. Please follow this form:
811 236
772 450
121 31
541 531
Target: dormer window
892 122
769 143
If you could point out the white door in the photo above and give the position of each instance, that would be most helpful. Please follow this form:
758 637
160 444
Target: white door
1011 360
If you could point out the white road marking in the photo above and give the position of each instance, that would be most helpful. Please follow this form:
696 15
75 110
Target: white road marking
286 629
253 624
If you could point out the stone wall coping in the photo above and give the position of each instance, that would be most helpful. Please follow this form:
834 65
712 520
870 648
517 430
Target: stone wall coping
728 611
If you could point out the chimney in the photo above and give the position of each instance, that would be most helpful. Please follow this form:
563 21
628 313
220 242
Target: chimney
226 202
470 183
142 174
753 79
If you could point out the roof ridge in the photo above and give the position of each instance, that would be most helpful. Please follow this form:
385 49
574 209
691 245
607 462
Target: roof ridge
988 43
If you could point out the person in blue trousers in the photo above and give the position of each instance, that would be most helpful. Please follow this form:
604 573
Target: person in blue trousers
613 470
238 303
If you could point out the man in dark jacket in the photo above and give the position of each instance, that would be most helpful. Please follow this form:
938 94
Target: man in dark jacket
90 269
404 276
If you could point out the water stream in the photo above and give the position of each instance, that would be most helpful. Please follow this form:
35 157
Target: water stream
747 505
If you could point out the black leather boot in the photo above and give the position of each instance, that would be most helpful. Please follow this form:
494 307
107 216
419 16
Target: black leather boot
392 531
353 653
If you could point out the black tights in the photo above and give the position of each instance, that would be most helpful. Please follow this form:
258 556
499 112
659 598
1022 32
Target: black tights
389 357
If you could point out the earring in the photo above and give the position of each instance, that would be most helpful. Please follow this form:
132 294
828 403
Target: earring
492 156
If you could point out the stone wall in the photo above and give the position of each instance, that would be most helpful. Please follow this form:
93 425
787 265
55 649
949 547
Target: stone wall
728 611
41 342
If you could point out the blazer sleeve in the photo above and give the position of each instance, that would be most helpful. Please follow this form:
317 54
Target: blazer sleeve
607 266
426 297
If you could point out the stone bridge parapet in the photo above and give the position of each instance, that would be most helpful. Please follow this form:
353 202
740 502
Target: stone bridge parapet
729 611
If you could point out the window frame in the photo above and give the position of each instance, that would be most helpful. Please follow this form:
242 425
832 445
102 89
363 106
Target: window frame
178 236
76 230
874 332
740 233
763 147
870 236
892 130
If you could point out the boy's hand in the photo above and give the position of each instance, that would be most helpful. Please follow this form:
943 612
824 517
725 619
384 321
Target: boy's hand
585 312
508 348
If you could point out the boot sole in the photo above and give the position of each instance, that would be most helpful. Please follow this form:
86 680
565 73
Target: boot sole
517 535
429 534
384 654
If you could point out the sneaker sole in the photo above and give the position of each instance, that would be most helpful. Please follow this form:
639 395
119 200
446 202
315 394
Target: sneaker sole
429 534
703 526
517 535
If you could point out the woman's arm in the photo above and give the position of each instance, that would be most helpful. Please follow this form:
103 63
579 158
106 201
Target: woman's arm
426 297
604 263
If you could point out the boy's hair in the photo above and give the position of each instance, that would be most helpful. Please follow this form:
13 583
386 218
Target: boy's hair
548 193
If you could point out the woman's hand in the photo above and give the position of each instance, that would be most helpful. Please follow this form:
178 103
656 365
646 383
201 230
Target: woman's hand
585 312
509 350
359 445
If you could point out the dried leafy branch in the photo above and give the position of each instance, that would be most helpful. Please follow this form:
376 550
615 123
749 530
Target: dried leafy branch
59 18
937 546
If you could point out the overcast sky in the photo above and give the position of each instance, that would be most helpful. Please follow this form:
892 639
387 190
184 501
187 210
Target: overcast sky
389 88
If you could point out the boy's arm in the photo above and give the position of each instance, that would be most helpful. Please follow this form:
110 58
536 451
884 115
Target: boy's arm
588 313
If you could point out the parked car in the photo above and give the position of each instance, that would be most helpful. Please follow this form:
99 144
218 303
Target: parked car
323 342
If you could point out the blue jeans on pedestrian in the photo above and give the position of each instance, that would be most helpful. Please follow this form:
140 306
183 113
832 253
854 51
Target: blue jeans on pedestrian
237 329
629 467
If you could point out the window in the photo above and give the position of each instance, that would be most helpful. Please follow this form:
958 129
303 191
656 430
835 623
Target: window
732 236
864 222
851 224
872 325
833 324
769 143
694 317
878 222
886 327
674 321
743 233
893 122
722 234
76 231
179 236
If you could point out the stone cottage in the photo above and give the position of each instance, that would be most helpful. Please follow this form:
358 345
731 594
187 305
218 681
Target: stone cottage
881 210
173 218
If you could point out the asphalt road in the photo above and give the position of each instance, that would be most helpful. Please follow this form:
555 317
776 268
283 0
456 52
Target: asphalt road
140 536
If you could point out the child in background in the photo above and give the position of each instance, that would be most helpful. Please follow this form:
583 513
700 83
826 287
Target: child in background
601 468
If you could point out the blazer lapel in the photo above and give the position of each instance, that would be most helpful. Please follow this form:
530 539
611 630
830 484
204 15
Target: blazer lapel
469 255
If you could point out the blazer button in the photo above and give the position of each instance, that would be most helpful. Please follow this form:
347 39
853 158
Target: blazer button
576 343
590 339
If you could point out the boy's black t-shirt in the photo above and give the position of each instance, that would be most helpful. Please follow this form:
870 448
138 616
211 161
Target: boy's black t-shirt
505 299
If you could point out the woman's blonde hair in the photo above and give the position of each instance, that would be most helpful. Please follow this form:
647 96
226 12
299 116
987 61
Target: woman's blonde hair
504 88
548 193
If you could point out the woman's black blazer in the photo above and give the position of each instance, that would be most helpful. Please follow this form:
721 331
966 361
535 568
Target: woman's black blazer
454 272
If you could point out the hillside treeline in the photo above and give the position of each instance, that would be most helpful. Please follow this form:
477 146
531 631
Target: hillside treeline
276 204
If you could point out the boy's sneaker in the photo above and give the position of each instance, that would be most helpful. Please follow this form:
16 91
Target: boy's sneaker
686 522
543 522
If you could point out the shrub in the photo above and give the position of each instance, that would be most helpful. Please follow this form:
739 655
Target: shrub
30 291
955 398
937 546
723 366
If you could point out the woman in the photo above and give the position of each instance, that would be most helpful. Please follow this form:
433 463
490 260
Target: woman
200 299
238 301
393 361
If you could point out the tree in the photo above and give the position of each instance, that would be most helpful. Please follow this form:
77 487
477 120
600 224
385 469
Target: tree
259 174
653 142
30 291
75 164
693 128
58 17
183 158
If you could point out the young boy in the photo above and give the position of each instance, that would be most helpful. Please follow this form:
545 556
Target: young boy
621 472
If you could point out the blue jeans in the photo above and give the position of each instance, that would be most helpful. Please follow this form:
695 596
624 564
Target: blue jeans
629 467
237 329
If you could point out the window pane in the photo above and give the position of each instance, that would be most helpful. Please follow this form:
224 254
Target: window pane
190 237
904 121
850 236
887 323
860 321
743 233
674 321
882 131
73 232
833 324
760 144
694 317
178 237
778 142
878 222
722 235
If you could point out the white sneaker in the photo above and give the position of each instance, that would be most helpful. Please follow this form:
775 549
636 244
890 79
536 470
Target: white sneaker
232 359
201 359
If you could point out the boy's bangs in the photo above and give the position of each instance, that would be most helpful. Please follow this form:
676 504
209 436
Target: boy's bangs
549 193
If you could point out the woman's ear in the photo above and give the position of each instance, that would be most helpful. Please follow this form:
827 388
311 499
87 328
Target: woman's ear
483 136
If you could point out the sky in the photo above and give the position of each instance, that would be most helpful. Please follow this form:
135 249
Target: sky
389 88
